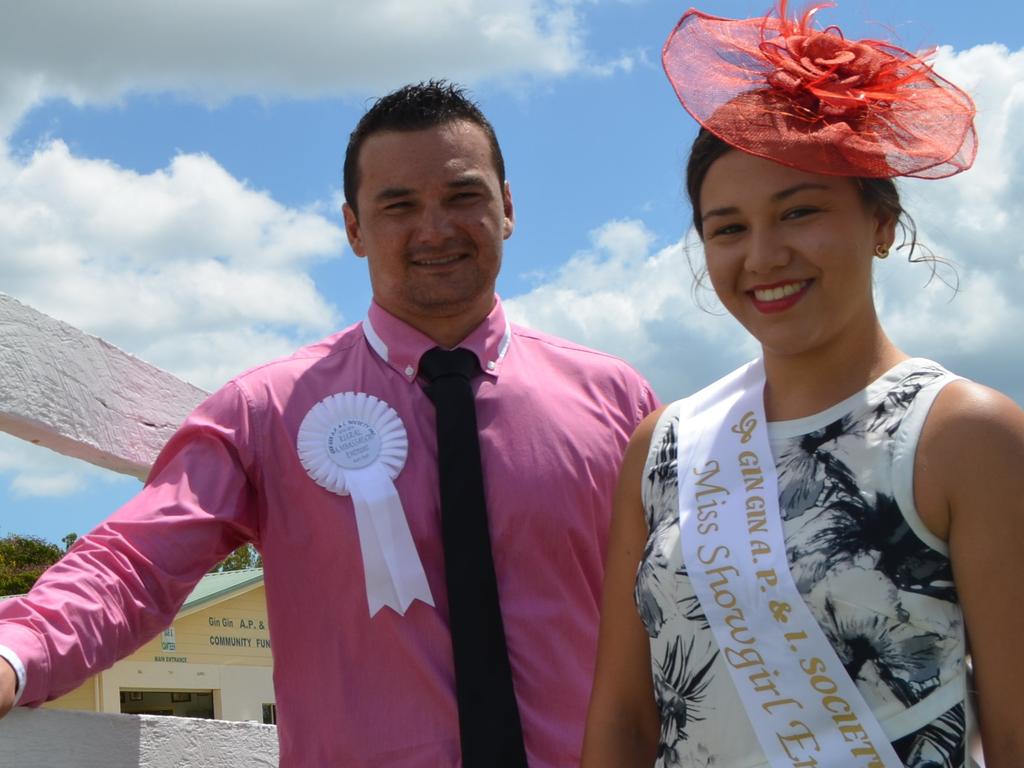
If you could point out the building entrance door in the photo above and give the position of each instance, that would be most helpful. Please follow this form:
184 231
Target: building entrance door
176 703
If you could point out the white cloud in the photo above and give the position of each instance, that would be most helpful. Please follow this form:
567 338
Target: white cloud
972 220
18 93
100 50
63 484
188 267
635 302
623 63
37 472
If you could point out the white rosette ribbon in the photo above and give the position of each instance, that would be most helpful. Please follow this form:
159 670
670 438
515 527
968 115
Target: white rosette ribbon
352 443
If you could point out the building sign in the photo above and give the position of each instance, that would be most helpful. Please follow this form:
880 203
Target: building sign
242 632
168 641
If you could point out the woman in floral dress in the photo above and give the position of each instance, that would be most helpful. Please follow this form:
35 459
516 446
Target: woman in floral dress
899 519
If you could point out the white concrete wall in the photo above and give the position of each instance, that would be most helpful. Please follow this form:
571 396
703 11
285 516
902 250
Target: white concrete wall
54 739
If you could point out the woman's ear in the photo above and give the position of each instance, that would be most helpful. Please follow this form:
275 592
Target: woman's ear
885 227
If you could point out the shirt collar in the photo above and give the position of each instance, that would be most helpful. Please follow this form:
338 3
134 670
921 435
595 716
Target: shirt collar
400 345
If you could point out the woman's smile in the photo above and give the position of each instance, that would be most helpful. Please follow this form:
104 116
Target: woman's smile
779 296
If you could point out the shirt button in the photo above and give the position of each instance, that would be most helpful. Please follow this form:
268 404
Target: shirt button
409 370
491 365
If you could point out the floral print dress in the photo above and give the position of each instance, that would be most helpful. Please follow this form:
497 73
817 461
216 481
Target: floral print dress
878 582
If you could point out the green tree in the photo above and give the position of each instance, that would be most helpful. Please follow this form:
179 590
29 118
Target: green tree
244 557
23 560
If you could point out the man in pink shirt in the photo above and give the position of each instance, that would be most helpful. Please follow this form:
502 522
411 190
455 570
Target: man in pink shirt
363 665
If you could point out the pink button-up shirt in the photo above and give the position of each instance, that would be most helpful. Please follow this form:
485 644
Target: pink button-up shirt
353 690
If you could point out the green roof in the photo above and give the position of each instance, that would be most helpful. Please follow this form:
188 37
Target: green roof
217 586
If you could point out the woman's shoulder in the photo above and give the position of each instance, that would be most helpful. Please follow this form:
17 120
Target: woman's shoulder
644 431
971 450
972 428
966 412
656 428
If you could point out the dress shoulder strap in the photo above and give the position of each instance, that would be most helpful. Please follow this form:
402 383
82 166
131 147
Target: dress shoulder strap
660 466
905 442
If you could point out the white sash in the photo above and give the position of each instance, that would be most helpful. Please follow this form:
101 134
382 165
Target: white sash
802 704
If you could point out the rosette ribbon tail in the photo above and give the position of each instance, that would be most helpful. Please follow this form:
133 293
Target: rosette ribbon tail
392 567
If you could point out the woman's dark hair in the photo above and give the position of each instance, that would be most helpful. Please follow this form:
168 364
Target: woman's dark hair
878 194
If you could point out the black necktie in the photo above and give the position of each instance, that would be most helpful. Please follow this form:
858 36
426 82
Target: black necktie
489 729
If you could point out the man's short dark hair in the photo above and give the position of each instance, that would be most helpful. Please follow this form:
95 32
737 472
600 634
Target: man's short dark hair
414 108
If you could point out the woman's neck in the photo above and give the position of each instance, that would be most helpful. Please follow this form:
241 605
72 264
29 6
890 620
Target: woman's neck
804 384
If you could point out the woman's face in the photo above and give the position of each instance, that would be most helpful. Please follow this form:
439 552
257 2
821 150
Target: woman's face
789 252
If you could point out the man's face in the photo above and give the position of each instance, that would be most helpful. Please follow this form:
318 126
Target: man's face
432 218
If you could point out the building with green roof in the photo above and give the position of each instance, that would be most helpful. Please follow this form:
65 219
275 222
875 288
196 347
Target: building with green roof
214 661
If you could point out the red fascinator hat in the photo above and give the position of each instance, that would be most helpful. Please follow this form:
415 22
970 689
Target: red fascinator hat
782 89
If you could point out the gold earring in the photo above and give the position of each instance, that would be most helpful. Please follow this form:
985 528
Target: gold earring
881 251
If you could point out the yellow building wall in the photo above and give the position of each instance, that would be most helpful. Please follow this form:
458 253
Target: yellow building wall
224 647
83 698
227 633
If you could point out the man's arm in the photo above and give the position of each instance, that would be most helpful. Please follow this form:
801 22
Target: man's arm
622 722
125 581
8 687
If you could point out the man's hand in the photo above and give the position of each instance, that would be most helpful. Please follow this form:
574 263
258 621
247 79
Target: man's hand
8 684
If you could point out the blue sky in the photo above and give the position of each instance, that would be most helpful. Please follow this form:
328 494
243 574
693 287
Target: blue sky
170 180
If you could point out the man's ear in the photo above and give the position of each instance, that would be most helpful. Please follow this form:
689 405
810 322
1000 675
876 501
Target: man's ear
510 214
355 236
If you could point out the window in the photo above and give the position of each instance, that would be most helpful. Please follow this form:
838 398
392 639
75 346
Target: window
270 714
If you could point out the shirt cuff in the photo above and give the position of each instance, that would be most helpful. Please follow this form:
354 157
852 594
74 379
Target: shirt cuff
19 669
